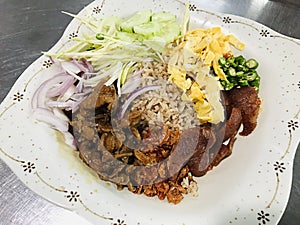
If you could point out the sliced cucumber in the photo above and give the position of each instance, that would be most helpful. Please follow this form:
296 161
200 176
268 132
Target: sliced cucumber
147 29
163 17
137 19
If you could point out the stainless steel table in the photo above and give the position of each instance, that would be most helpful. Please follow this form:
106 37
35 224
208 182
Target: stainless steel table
29 26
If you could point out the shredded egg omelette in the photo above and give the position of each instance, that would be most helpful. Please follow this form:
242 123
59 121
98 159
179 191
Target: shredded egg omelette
189 64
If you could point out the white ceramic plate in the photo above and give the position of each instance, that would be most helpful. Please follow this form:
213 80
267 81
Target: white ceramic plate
250 187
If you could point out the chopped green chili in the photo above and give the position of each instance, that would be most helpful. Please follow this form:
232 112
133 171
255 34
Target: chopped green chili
100 37
239 72
252 64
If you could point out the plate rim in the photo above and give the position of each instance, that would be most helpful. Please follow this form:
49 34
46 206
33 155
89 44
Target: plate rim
223 15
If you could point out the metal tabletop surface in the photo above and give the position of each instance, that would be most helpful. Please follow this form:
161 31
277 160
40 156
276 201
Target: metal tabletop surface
28 27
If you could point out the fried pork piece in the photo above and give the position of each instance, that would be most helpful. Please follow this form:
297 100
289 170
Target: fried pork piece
199 162
233 123
247 101
223 153
242 106
210 156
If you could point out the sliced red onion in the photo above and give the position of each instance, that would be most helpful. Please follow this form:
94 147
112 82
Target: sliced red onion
77 103
60 114
63 105
87 65
69 139
59 92
134 95
62 88
40 96
68 94
58 120
34 100
71 69
80 86
60 85
85 92
80 66
47 116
